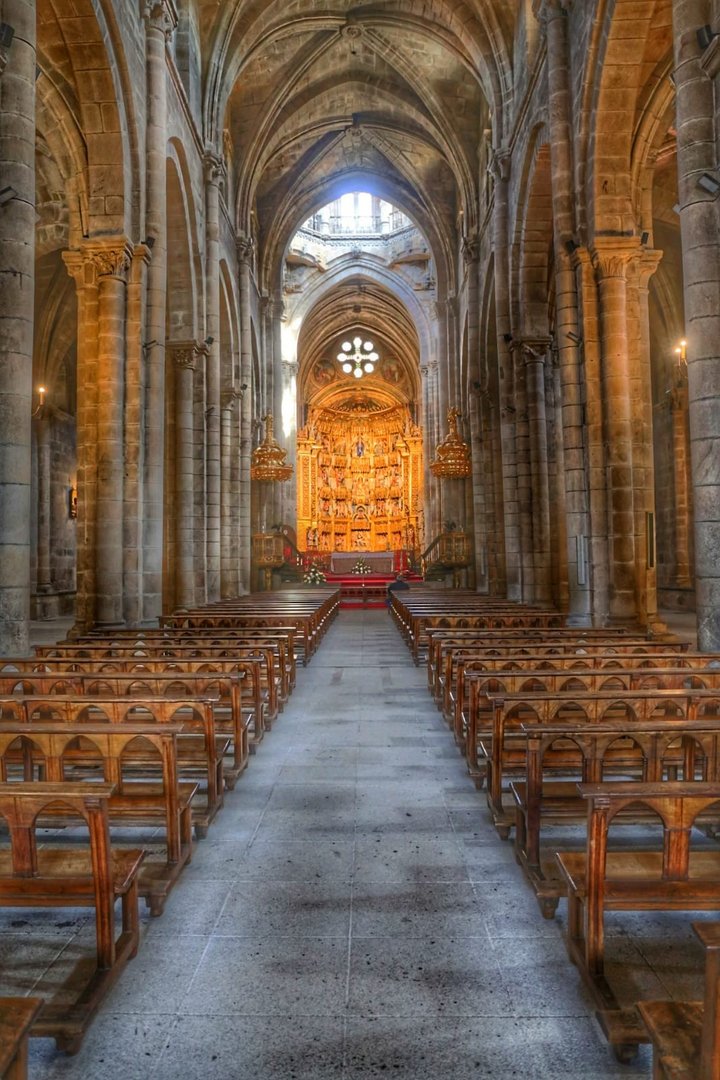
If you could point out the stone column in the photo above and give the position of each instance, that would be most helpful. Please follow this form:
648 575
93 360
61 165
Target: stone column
200 478
17 285
645 266
245 255
111 259
681 470
42 424
610 259
697 92
184 355
81 268
523 471
134 438
535 354
500 168
160 22
477 494
229 575
213 177
553 18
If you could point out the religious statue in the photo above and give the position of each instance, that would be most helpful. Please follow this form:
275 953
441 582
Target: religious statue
359 448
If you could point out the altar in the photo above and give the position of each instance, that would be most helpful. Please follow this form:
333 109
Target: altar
380 562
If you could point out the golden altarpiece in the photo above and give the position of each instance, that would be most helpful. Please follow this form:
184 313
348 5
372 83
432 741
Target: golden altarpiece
360 477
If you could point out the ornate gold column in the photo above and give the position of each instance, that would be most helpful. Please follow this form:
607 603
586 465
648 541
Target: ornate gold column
17 274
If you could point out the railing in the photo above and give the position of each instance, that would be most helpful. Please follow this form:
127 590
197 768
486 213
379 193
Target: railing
425 560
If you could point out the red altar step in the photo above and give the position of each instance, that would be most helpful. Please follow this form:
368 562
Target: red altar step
364 590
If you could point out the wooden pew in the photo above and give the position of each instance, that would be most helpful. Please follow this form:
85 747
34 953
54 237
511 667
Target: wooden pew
65 753
686 1034
92 876
227 687
16 1018
502 744
200 750
649 751
675 878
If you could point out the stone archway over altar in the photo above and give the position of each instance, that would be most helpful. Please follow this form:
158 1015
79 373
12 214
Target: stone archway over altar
360 478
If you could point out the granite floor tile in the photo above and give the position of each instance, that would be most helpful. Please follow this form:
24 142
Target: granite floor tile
280 909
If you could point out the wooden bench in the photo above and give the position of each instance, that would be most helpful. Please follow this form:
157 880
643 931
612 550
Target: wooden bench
648 751
200 749
16 1017
230 718
675 878
93 876
686 1034
139 760
495 734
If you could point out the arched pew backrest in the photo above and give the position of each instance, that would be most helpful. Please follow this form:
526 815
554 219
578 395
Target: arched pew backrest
624 757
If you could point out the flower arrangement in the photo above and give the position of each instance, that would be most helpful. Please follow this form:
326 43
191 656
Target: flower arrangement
361 567
314 575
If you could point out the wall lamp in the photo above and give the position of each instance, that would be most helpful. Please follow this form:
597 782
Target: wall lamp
7 194
149 242
571 246
244 386
709 183
7 33
705 37
574 338
507 338
209 340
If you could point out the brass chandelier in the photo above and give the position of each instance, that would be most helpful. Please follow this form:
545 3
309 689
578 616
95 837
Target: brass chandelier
268 460
452 457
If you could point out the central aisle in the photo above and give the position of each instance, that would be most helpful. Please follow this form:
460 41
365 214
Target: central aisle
351 914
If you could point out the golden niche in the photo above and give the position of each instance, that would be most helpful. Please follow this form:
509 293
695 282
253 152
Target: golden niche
452 457
268 460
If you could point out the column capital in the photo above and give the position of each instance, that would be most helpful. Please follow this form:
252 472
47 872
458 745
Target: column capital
99 258
245 246
545 10
214 167
160 15
611 256
533 349
471 248
648 262
187 353
499 164
229 397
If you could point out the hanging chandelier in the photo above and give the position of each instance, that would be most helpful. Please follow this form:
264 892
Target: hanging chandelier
452 457
268 460
358 357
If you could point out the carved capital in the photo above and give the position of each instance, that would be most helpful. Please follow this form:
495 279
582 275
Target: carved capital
160 15
610 257
499 164
545 10
648 263
214 167
98 259
186 354
229 398
532 350
470 249
245 248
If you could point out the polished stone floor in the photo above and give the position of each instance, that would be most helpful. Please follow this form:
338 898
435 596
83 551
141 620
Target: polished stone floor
353 915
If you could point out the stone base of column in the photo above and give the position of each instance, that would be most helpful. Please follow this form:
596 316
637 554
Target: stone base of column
584 620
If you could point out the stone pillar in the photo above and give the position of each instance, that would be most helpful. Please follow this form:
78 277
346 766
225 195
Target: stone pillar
229 575
645 266
160 22
245 254
610 259
81 268
478 521
535 354
697 86
42 426
111 259
553 19
213 177
523 471
592 549
681 470
17 278
200 478
134 438
500 168
184 355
